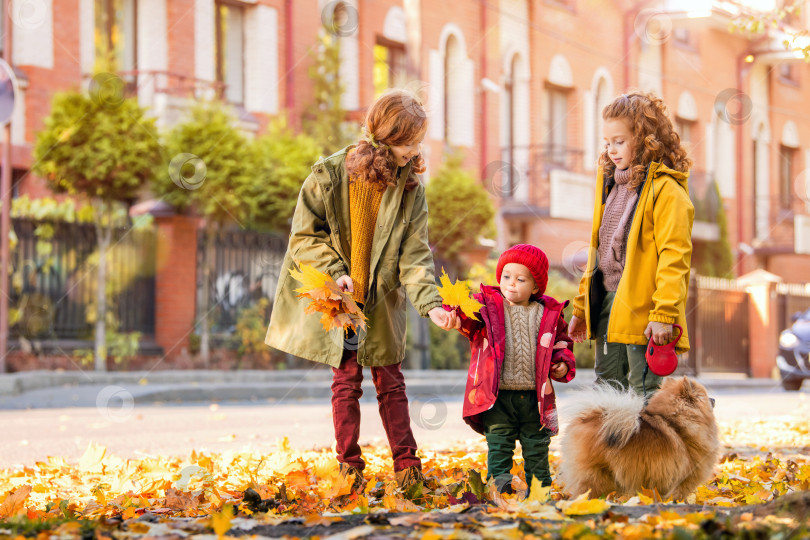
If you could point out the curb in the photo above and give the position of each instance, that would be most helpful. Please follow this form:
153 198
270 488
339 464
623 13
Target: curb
17 383
68 389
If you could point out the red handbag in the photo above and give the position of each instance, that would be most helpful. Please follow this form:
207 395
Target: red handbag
662 358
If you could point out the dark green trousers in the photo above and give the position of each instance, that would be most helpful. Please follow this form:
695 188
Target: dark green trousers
515 417
619 363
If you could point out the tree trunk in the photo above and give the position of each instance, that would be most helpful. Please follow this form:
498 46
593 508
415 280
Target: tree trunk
103 235
205 333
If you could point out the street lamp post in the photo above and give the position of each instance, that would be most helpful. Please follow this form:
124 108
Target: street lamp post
7 88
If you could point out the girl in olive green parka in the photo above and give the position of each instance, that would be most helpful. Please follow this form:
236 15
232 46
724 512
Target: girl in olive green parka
362 218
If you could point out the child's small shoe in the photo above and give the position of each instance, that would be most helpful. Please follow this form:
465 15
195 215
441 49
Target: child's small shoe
358 483
504 484
408 479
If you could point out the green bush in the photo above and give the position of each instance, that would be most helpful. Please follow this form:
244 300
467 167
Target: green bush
461 210
251 327
448 349
283 160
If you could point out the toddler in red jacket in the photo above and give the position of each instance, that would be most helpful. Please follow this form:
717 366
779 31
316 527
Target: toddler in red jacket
519 344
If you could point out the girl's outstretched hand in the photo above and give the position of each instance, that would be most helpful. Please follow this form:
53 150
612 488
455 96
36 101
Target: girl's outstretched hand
345 282
444 319
577 329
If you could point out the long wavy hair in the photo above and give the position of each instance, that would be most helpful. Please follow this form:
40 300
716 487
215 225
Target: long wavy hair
654 137
397 118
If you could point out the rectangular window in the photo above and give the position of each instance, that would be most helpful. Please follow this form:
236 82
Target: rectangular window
390 69
17 177
116 34
557 140
788 73
230 50
786 164
685 129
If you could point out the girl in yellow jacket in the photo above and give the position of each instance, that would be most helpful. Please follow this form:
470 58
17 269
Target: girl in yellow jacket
634 287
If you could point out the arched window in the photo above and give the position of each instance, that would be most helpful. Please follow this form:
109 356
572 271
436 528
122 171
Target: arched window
596 99
602 99
452 87
390 65
560 83
761 166
453 57
346 19
515 125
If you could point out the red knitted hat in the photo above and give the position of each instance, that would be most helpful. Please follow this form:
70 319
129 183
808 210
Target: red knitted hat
532 258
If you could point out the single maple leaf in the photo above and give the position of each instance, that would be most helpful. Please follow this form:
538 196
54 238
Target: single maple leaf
458 295
178 500
309 276
221 522
15 502
583 506
538 493
92 458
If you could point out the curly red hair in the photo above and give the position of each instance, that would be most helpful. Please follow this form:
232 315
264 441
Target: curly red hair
397 118
654 137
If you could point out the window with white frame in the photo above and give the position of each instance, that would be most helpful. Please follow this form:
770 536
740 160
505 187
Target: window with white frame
787 157
685 129
390 68
230 49
453 57
602 99
557 132
116 33
345 20
452 90
789 73
515 125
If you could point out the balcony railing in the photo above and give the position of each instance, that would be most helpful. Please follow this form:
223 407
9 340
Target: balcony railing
551 156
150 82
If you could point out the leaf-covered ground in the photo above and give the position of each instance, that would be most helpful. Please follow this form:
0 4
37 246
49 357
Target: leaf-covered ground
760 489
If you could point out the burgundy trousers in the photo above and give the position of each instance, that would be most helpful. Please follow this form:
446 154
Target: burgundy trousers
393 403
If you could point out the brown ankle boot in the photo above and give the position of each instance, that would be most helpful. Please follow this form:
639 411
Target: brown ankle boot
358 482
408 479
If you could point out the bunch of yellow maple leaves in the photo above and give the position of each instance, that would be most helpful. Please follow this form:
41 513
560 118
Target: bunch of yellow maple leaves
336 306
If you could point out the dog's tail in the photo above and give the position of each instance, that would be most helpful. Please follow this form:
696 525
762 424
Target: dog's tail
620 412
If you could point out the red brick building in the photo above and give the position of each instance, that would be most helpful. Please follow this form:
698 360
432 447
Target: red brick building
518 85
508 81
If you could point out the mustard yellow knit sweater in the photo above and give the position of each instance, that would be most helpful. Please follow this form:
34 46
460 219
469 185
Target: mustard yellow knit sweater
364 205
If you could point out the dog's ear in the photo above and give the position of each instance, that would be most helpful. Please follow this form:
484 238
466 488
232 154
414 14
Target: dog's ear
688 388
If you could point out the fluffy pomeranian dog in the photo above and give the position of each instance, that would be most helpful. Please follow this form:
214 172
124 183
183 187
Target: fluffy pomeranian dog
616 444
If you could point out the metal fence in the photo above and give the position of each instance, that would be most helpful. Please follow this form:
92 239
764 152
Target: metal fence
54 280
792 298
717 318
246 268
